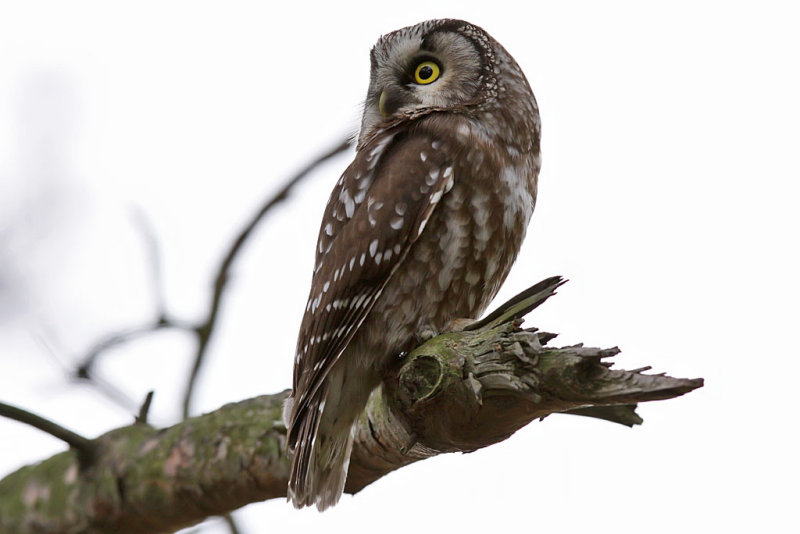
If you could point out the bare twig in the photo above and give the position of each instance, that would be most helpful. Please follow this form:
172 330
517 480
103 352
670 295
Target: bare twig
84 369
144 411
84 446
231 522
141 220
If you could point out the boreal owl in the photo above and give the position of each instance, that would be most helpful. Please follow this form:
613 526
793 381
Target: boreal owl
421 229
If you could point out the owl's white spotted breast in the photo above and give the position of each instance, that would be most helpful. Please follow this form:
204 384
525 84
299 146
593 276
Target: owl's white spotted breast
465 251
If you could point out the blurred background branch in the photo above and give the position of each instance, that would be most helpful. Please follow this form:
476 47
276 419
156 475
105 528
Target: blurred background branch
203 330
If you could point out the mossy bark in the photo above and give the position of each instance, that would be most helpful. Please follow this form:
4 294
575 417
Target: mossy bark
458 392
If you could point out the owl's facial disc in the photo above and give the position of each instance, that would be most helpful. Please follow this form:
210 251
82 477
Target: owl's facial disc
421 69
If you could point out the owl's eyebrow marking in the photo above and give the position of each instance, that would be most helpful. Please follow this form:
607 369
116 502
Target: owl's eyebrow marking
427 44
419 58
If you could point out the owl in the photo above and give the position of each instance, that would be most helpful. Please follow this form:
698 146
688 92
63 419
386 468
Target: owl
421 229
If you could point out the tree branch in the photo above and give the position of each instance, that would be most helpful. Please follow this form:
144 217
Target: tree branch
460 391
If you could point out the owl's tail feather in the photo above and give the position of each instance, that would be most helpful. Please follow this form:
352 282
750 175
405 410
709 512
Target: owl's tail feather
321 454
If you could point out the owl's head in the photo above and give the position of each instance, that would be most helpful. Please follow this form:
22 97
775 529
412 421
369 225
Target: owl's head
435 65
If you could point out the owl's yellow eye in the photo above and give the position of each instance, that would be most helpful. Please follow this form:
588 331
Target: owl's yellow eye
426 72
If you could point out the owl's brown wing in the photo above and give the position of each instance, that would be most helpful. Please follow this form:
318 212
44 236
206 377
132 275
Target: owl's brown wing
366 233
348 194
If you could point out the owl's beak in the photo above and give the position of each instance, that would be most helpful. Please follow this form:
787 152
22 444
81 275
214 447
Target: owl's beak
382 104
389 102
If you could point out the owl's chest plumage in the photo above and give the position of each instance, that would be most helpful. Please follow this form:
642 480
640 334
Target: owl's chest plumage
456 266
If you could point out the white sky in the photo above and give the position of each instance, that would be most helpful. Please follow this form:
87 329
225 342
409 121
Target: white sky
668 197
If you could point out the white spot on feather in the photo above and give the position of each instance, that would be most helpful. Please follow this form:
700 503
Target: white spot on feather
422 226
373 247
346 199
518 200
491 268
316 303
377 150
471 277
340 303
480 215
445 278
